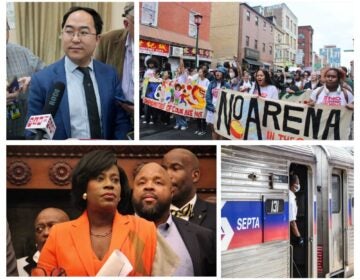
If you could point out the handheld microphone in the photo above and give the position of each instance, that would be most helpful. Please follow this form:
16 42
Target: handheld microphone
44 125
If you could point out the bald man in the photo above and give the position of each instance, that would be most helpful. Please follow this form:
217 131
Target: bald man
194 245
183 168
42 225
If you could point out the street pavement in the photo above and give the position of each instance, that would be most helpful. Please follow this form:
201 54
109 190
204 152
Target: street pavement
167 132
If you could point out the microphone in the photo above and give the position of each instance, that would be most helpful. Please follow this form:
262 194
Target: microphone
44 125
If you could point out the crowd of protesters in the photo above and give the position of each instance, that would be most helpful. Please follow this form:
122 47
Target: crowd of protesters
330 86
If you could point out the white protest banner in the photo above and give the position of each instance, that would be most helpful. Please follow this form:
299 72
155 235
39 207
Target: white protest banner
298 97
248 117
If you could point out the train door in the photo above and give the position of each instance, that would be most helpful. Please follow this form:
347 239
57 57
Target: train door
300 260
336 223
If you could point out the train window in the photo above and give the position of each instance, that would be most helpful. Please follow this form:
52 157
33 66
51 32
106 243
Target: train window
274 206
336 194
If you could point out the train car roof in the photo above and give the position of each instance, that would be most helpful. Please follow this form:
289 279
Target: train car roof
343 156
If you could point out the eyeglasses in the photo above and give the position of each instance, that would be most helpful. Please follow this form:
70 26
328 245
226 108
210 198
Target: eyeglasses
56 271
81 34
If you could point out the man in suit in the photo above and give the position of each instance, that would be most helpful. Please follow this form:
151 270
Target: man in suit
42 225
183 168
194 245
117 49
77 117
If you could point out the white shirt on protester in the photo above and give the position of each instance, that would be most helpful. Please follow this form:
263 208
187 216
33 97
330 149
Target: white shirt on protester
268 92
331 98
292 206
203 83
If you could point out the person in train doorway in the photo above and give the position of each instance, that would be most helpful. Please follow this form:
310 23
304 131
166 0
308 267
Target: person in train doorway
296 239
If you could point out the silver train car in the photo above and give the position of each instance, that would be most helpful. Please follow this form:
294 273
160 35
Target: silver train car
255 235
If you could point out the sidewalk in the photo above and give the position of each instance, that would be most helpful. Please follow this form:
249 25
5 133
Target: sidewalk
167 132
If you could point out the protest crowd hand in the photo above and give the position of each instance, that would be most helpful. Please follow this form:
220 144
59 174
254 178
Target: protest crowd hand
12 96
350 106
24 82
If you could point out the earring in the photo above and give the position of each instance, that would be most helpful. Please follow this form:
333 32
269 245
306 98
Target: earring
84 196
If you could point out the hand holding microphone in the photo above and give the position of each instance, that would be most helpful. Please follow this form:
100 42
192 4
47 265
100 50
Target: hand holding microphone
44 125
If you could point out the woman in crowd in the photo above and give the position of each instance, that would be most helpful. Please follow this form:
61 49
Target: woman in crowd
181 78
245 84
332 93
299 80
314 82
204 83
82 246
212 94
263 86
234 80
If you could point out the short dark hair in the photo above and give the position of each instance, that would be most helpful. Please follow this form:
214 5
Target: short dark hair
293 179
88 168
95 15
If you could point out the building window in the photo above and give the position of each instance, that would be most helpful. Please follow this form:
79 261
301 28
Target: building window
287 22
263 48
247 41
271 28
264 25
270 49
256 20
255 44
149 13
248 15
192 25
301 36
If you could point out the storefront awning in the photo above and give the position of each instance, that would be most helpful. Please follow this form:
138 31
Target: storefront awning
168 37
253 62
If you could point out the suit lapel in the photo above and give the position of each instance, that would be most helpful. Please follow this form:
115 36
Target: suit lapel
190 241
105 90
120 232
199 212
60 76
81 237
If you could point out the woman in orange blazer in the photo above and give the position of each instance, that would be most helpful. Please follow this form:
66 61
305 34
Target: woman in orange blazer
82 246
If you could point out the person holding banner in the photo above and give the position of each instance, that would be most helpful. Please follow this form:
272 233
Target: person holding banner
212 94
203 82
181 78
263 86
332 93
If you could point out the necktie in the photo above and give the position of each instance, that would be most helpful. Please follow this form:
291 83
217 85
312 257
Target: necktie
185 211
93 113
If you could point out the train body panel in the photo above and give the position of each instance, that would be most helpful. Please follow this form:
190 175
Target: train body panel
336 191
255 219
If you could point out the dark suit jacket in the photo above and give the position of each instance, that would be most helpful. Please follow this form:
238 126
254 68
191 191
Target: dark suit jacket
204 214
201 245
115 121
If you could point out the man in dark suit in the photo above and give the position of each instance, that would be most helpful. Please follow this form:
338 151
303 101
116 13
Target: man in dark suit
194 245
183 168
76 118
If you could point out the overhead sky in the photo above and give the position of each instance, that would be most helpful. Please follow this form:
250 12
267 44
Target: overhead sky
333 21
